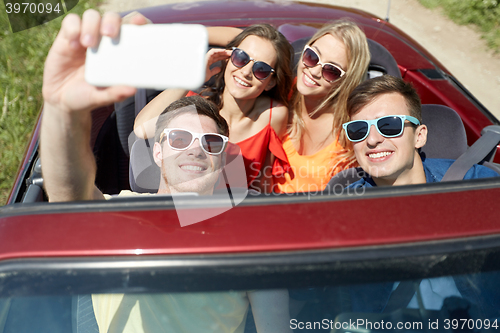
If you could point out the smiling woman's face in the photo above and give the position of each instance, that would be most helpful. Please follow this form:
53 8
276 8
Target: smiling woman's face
240 82
310 81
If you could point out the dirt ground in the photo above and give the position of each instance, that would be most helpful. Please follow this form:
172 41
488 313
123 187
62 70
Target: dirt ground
459 48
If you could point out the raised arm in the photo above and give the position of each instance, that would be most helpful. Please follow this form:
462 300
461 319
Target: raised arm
221 36
144 124
68 163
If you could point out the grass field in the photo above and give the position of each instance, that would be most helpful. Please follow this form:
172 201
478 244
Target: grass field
22 55
485 14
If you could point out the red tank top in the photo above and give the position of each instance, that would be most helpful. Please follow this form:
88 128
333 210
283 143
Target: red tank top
254 150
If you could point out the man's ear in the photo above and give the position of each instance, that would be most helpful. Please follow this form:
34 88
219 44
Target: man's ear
157 153
420 136
271 83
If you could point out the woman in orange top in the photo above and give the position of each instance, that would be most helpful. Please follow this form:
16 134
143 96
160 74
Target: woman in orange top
333 63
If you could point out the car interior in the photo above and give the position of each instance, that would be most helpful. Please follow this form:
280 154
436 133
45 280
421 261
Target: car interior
125 162
373 291
441 120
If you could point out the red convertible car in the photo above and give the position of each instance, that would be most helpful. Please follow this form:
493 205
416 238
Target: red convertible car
410 258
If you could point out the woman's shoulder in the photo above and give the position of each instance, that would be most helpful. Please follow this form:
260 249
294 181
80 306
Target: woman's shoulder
266 105
279 119
273 112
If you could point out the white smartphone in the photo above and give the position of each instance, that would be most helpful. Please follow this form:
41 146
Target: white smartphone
154 56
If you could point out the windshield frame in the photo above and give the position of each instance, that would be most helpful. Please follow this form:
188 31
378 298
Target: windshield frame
267 270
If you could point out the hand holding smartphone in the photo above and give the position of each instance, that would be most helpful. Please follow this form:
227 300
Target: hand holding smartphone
154 56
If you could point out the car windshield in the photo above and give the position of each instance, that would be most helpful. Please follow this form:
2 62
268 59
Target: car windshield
219 296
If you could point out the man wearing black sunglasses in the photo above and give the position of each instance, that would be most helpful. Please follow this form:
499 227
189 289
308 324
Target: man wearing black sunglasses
386 132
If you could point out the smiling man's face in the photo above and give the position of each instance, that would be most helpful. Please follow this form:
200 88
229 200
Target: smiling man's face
193 169
390 161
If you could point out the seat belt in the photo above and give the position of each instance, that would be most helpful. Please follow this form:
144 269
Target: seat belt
476 153
402 295
84 316
140 100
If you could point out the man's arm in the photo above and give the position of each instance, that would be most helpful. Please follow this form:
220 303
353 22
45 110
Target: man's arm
68 163
221 36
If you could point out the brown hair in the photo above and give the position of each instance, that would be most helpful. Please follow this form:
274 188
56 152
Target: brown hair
191 104
283 72
367 91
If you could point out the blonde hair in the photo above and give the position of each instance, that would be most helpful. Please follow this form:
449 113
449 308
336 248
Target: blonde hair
358 58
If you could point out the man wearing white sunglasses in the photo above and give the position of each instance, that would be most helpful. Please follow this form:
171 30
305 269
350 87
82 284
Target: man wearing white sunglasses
191 137
386 132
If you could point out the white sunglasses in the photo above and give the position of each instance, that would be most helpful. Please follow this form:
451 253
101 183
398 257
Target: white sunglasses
182 139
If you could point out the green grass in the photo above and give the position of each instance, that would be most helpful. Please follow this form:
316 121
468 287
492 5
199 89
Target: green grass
22 55
485 14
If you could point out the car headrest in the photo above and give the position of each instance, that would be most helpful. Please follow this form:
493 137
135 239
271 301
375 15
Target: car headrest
298 47
446 136
381 60
144 174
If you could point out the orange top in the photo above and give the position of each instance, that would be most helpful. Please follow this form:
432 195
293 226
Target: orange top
254 150
309 173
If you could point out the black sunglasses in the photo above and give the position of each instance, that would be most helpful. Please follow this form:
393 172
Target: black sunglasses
330 72
388 127
260 69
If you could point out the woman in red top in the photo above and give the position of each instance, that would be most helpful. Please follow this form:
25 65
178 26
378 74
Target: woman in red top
251 91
